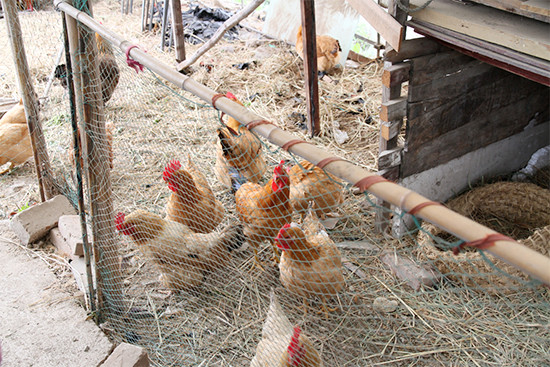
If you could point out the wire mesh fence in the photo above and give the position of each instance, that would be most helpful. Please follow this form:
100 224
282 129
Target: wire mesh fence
226 250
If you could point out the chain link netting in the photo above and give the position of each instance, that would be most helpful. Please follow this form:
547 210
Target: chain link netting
225 247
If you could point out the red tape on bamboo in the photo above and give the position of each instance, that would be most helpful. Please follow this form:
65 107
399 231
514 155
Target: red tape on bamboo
323 162
365 183
483 243
286 146
215 97
420 206
131 62
253 124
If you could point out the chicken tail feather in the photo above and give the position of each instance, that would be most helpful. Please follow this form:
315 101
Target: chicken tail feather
233 237
237 179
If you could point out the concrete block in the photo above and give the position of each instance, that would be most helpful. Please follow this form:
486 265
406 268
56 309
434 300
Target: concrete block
69 226
127 355
60 244
35 222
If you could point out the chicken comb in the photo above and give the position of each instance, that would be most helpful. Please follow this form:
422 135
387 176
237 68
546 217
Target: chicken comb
119 220
294 347
231 96
170 168
279 169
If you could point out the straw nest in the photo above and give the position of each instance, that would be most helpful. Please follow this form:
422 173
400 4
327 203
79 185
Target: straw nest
514 209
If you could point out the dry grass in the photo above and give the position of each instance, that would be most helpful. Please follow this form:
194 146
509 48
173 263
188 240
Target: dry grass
220 323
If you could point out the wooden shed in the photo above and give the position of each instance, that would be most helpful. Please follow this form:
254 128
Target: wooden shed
473 94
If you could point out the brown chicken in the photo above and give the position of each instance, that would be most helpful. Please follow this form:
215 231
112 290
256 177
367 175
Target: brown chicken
182 256
239 154
310 183
311 264
283 345
109 72
192 201
328 51
264 209
15 142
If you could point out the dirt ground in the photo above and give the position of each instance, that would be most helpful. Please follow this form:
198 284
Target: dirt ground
42 324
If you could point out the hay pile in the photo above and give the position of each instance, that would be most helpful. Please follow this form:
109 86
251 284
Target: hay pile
516 209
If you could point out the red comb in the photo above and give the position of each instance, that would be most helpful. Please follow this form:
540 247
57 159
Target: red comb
279 169
170 168
293 346
119 220
231 96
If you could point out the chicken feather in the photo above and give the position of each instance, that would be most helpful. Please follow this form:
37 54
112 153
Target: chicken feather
182 256
192 201
239 154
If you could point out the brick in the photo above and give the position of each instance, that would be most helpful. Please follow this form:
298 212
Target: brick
35 222
69 226
127 355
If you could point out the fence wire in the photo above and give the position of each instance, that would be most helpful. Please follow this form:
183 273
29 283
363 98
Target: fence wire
230 251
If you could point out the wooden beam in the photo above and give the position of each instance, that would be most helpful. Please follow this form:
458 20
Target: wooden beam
96 155
390 130
177 29
310 66
389 158
515 62
26 90
536 9
518 33
395 74
412 48
390 29
394 109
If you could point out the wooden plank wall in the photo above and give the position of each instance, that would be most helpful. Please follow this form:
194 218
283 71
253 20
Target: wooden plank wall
457 104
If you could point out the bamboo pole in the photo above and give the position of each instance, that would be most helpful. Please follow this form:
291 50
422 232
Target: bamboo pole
228 24
512 252
77 154
310 66
177 30
41 159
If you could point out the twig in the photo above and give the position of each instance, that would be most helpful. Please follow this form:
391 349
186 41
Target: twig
230 23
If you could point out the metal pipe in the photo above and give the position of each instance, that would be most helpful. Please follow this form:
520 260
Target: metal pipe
512 252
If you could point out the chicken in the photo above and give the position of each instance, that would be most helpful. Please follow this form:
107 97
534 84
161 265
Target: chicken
311 264
283 345
239 154
109 73
15 142
192 201
310 183
328 51
182 256
264 209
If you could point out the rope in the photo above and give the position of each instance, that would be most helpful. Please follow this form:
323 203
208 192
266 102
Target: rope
131 62
483 243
